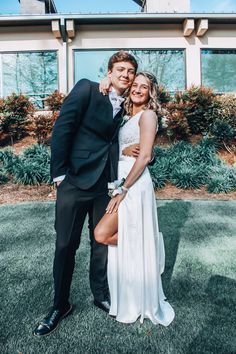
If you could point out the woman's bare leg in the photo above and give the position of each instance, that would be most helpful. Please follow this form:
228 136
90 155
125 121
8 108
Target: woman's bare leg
106 231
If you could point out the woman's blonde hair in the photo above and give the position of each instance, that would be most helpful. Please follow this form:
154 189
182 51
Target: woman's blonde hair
153 103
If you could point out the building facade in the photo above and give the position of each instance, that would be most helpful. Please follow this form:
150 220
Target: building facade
41 53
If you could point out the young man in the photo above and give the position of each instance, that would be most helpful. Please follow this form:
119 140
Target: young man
84 159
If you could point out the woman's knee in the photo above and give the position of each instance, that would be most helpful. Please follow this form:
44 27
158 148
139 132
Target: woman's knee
100 235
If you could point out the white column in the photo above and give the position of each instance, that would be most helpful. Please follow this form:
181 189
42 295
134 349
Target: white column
1 77
64 71
193 65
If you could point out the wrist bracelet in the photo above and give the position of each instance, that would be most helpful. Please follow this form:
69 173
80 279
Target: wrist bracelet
124 189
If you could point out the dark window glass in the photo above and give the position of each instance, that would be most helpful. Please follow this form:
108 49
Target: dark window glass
167 65
219 69
34 74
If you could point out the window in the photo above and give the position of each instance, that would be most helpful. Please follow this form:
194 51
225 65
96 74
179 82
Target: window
34 74
168 65
219 69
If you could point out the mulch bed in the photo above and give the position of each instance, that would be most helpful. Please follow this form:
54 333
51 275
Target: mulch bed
11 193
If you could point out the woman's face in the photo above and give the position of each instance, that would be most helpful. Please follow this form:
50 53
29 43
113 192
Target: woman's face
139 92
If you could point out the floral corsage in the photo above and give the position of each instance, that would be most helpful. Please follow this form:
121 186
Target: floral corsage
116 187
125 119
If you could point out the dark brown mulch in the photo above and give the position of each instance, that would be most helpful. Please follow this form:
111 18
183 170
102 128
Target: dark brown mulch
16 193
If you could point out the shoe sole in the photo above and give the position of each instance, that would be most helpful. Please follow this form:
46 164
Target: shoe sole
53 330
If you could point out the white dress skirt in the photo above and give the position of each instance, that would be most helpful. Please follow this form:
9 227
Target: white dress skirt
135 265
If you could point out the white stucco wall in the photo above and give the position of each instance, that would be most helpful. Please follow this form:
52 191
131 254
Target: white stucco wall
159 36
154 37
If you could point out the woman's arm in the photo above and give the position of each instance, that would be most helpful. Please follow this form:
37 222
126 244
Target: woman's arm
148 124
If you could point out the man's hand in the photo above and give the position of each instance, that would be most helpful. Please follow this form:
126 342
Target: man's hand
131 150
105 86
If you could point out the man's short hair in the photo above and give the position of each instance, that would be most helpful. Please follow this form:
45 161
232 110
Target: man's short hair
122 56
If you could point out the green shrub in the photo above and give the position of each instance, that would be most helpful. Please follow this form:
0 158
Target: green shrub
222 131
8 160
55 100
31 167
15 112
206 152
222 179
30 172
160 172
188 176
190 167
226 110
160 152
177 124
3 177
200 107
38 153
163 95
34 166
41 126
181 152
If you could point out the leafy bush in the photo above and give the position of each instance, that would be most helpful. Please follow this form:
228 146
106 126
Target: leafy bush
8 160
181 152
41 126
3 177
31 167
188 176
205 152
200 107
55 100
226 110
222 131
190 167
163 95
222 179
160 172
29 172
15 111
177 124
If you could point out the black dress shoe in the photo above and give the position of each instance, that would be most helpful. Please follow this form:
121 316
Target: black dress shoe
103 305
51 321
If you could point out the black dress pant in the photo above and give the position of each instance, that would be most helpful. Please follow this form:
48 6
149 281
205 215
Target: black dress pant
72 206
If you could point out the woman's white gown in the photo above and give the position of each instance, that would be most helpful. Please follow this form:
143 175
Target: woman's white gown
135 265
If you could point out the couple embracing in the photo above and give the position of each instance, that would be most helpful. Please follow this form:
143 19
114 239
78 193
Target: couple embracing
92 145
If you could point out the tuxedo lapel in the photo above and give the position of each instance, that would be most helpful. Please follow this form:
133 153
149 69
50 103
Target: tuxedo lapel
117 122
106 98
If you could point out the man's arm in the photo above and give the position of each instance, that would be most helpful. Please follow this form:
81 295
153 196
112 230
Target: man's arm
66 125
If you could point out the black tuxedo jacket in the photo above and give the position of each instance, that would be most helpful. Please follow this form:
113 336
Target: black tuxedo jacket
85 136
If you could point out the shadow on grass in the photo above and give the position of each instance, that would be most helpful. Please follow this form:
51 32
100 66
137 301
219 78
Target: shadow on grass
171 220
218 332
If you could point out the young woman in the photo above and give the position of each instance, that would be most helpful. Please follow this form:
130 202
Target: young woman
130 225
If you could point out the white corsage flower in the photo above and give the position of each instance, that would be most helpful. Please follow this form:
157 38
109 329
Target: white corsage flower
115 187
125 119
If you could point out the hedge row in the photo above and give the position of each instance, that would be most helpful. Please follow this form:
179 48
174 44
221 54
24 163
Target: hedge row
191 167
182 164
196 110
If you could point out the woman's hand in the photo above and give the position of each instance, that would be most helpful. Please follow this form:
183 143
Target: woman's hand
114 203
105 86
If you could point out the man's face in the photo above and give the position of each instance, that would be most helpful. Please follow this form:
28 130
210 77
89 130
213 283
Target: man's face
122 76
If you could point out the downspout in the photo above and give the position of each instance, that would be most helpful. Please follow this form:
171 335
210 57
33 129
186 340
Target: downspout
64 53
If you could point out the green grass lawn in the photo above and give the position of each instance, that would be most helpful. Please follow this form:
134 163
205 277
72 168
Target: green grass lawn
199 282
